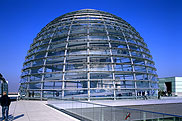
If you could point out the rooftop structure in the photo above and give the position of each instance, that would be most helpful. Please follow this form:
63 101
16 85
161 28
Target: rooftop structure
88 54
3 84
171 85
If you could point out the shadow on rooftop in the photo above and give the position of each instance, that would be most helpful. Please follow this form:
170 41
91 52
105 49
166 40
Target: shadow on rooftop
15 117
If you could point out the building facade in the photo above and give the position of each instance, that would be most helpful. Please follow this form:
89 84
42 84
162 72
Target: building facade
172 85
3 84
88 54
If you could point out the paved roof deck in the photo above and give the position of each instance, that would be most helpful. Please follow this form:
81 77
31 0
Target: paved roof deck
26 110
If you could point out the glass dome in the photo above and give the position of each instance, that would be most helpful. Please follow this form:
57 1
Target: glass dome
88 54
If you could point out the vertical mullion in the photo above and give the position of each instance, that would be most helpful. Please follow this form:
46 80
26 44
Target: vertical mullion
65 54
88 61
110 49
145 63
131 59
28 80
43 69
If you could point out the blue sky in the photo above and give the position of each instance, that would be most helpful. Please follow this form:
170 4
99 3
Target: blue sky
157 21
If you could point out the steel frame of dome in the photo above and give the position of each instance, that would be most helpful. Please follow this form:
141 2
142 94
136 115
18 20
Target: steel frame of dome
88 54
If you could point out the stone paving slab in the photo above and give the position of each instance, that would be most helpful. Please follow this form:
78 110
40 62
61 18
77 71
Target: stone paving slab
25 110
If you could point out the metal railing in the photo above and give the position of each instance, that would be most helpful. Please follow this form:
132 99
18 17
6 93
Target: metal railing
88 111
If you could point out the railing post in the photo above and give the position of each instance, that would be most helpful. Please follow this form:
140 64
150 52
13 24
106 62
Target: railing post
144 116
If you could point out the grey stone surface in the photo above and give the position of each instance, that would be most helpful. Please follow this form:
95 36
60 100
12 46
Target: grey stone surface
117 110
36 111
129 102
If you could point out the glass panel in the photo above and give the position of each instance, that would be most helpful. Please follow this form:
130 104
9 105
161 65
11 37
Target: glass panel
76 67
123 76
98 26
99 51
120 52
134 47
59 39
140 69
141 77
118 45
45 41
53 76
75 93
78 38
40 55
35 94
121 60
131 41
25 72
56 53
38 62
137 54
35 86
92 37
101 75
115 33
101 93
61 31
54 60
57 85
125 84
76 84
54 68
24 79
152 77
117 38
101 84
75 75
77 51
96 21
76 27
142 84
47 94
42 48
77 31
125 93
152 71
36 70
100 59
76 59
77 44
122 67
52 85
153 85
138 61
48 85
150 64
57 45
99 44
100 67
35 78
97 30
